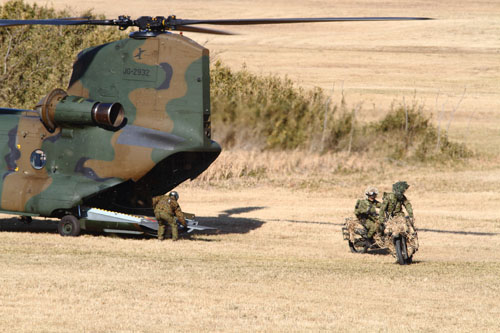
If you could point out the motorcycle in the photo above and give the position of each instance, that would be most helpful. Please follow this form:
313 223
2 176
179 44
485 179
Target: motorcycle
400 238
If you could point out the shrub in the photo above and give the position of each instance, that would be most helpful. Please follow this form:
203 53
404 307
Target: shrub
36 59
407 133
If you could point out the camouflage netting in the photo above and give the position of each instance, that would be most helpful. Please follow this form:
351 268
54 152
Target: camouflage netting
354 231
379 240
401 226
354 228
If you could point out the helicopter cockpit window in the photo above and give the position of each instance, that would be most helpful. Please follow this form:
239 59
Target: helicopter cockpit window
38 159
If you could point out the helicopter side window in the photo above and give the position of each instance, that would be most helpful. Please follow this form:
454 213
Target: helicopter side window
38 159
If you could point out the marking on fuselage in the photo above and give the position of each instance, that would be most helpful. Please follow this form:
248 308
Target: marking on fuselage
139 53
137 72
169 72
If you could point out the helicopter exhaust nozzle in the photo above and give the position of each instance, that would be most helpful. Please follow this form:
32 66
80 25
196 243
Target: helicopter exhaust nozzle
108 114
60 109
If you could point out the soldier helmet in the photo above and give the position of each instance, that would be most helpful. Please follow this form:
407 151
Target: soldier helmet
371 192
400 187
174 195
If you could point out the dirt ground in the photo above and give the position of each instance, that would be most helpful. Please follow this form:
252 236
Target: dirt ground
278 261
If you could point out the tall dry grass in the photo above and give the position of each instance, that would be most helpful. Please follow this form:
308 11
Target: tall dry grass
234 164
310 170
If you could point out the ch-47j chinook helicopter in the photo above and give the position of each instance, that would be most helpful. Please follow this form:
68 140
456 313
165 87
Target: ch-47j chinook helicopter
133 123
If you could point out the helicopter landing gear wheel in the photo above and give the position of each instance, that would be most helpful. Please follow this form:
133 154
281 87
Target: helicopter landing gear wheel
69 226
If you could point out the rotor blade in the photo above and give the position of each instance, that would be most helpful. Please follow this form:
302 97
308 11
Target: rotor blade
177 22
202 30
63 21
171 23
74 18
11 111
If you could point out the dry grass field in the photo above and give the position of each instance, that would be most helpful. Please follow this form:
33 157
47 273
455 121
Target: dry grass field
278 262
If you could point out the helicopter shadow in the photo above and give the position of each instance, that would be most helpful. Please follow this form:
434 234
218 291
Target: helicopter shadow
227 223
14 224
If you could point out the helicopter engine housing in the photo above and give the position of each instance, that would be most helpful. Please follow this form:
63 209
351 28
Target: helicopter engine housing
60 109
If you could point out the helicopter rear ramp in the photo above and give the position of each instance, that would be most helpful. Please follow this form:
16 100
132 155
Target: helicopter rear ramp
95 219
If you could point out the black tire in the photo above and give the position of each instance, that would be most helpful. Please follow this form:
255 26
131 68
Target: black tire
69 226
357 249
400 246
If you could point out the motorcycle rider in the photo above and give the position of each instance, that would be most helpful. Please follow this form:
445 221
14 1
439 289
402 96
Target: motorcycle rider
366 212
393 203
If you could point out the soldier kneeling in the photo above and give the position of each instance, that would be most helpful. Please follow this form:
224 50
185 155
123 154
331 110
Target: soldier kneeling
166 209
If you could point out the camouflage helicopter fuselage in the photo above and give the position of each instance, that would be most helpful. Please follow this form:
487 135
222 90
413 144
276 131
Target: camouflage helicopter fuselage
163 85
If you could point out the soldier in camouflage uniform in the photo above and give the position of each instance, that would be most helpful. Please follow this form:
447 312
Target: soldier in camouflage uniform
166 209
366 212
394 202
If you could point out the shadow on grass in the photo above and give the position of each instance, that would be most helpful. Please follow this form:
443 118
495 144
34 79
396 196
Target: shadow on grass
40 225
466 233
227 223
307 222
379 252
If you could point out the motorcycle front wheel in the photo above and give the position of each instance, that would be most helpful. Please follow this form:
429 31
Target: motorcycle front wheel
401 251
